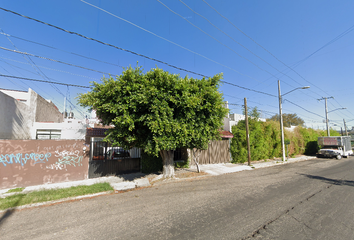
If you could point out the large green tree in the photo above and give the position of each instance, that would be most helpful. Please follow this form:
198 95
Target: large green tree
158 111
289 119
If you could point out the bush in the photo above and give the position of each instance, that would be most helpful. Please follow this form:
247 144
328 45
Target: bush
265 140
150 163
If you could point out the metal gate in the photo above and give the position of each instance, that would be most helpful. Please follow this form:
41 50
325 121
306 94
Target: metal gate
106 160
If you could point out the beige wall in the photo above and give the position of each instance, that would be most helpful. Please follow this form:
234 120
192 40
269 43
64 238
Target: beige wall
46 111
34 162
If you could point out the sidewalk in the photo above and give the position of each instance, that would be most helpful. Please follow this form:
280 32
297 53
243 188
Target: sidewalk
136 180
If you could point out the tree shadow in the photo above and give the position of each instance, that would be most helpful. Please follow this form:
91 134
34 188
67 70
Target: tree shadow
9 212
338 182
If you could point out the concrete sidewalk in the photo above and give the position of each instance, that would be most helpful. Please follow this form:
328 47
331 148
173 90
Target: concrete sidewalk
136 180
223 168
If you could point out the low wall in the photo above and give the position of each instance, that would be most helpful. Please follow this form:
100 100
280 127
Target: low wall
33 162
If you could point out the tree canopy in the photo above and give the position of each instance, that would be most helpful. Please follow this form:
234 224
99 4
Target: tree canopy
289 119
158 111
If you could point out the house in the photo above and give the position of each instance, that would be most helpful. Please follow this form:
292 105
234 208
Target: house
20 109
27 115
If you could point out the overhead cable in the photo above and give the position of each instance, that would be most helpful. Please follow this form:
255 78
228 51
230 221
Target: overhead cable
37 80
263 48
73 65
41 44
107 44
53 69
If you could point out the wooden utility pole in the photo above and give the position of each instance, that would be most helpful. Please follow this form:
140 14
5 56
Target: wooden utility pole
247 135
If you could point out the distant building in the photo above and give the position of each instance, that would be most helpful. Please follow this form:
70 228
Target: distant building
234 118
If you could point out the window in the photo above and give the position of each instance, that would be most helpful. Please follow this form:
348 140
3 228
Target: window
48 134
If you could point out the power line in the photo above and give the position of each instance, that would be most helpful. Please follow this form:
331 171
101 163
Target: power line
53 60
330 42
107 44
304 108
325 45
229 37
53 69
37 80
110 45
221 42
176 44
264 48
41 44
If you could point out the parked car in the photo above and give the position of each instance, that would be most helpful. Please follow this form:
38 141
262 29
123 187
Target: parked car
117 153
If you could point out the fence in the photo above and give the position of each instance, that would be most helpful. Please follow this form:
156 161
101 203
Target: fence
217 152
106 160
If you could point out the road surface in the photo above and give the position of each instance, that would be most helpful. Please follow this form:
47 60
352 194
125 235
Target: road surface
306 200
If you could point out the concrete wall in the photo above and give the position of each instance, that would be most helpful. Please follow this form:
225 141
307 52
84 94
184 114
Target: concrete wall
15 118
70 128
46 111
19 110
34 162
21 96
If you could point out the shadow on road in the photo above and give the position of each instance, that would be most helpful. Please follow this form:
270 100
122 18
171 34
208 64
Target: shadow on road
331 181
8 213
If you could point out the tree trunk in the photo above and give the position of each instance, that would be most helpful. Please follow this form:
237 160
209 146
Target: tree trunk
168 163
195 159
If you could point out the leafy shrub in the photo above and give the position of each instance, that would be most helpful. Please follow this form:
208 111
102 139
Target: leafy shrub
265 140
150 163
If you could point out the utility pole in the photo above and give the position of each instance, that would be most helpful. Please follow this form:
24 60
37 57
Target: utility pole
327 124
247 134
345 128
281 122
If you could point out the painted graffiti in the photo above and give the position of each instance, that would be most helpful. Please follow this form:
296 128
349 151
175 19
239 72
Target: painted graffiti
69 158
22 159
56 167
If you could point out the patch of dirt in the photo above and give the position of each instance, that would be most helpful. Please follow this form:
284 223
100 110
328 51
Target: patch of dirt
189 174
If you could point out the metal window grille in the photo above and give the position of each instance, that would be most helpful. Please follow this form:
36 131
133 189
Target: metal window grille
48 134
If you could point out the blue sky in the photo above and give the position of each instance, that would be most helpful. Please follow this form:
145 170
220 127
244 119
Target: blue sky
253 43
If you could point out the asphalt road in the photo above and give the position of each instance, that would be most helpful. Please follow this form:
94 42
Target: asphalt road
305 200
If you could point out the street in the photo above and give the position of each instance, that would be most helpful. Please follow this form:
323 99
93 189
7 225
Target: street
305 200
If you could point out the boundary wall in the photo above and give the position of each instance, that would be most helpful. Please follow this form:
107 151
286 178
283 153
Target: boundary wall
26 163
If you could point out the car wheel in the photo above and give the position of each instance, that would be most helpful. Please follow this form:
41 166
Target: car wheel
339 157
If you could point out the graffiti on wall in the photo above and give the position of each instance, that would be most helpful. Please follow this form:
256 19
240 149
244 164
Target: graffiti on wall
64 158
69 158
22 159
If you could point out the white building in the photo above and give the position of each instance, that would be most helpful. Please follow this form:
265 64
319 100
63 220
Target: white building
26 115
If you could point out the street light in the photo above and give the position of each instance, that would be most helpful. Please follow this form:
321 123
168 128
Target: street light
281 115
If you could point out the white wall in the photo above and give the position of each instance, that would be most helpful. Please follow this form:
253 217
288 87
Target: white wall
19 110
21 96
70 128
235 118
15 118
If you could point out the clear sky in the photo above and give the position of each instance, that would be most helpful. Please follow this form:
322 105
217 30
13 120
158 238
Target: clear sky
254 43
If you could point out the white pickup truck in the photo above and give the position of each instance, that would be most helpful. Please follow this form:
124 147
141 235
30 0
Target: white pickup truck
334 147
